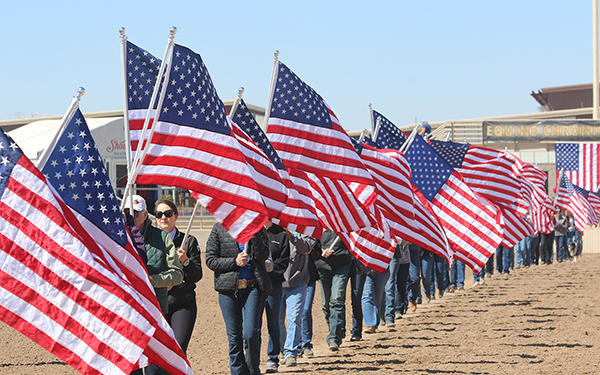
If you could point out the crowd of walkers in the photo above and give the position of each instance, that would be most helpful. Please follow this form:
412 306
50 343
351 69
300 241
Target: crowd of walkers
276 273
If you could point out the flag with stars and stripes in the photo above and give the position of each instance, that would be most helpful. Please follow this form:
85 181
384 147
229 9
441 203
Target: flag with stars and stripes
74 167
193 148
385 133
142 71
569 198
581 162
299 214
541 207
59 286
496 177
308 136
473 226
395 209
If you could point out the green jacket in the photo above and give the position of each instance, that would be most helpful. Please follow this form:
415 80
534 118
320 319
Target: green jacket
163 266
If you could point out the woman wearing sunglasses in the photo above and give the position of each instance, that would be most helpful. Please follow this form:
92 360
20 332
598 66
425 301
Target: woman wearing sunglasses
182 297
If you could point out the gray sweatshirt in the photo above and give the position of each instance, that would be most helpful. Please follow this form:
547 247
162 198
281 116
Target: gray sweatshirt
297 271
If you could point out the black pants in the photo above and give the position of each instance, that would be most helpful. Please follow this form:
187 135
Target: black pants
546 243
182 319
535 249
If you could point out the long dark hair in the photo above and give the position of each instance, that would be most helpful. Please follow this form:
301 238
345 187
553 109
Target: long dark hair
168 203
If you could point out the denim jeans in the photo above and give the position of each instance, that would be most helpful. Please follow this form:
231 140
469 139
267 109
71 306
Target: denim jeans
307 322
477 277
357 283
502 259
242 313
272 308
440 269
561 248
489 266
292 305
457 274
372 297
414 276
526 251
520 252
333 294
427 265
391 289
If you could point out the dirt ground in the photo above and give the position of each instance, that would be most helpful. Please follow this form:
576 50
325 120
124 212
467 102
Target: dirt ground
540 320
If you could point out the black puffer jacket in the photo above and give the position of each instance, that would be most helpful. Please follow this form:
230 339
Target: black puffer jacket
221 252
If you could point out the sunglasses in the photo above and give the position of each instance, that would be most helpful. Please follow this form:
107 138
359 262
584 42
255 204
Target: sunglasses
167 213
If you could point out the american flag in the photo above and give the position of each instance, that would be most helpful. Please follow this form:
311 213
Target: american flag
74 168
55 289
580 162
307 134
541 206
370 247
592 203
142 71
568 198
405 215
193 148
299 214
387 135
473 226
496 177
431 235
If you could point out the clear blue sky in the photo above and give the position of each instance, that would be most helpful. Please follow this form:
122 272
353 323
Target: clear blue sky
433 60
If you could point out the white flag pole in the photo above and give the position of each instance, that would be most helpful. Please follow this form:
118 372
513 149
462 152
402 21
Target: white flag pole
271 89
235 105
63 122
140 154
189 226
125 109
448 136
372 121
376 131
410 139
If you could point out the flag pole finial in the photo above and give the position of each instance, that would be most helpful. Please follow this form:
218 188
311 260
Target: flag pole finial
370 105
122 32
276 55
80 93
240 92
173 31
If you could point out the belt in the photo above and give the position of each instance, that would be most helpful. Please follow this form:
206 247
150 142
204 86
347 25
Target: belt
243 283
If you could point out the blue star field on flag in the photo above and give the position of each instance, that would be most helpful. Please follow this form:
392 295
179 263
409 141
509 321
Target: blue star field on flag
567 156
10 154
191 98
429 171
452 153
245 120
76 170
296 101
142 71
387 135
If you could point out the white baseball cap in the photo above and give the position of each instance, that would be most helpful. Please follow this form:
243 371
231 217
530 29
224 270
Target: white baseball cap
139 203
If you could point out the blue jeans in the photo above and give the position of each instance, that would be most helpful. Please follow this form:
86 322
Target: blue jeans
292 303
272 308
502 259
441 267
333 294
307 322
520 252
391 289
477 277
372 297
242 313
457 274
414 276
561 248
427 266
357 283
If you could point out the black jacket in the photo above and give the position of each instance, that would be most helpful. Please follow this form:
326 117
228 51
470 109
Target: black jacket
279 246
192 273
221 252
341 255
